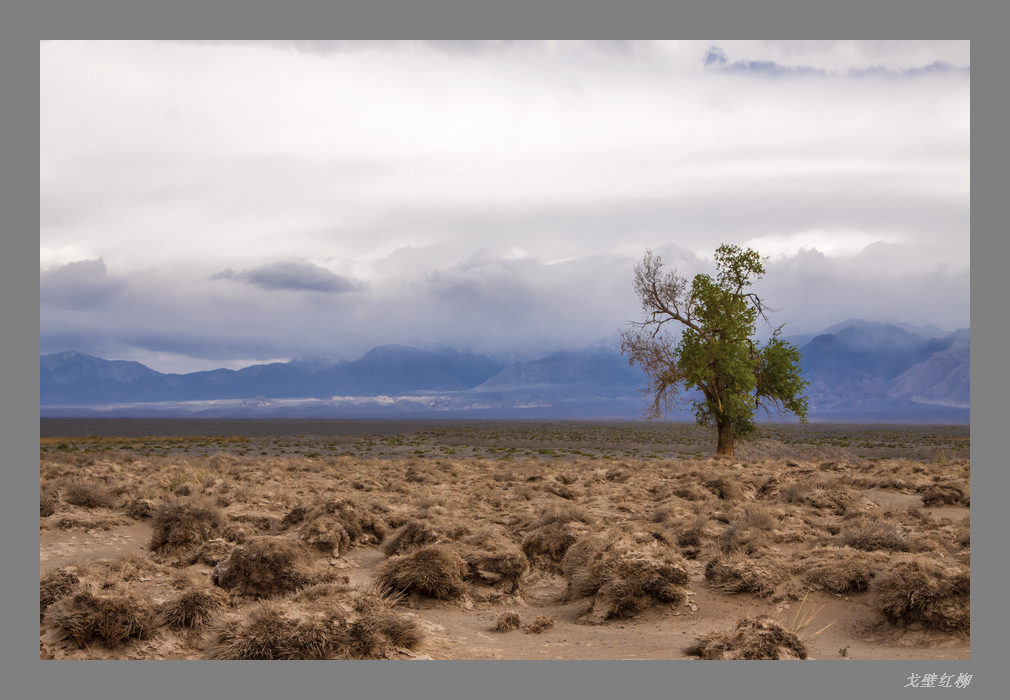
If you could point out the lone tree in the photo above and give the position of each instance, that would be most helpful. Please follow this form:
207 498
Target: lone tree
716 354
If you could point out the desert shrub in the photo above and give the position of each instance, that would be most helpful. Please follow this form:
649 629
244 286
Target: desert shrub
54 586
753 638
112 614
337 525
264 566
507 622
47 502
212 552
724 488
436 571
876 535
140 508
412 534
927 592
323 621
690 537
749 533
941 495
552 533
795 492
841 570
493 561
184 523
623 580
738 572
192 608
275 630
87 493
541 624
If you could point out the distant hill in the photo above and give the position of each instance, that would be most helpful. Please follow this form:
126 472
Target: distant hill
858 371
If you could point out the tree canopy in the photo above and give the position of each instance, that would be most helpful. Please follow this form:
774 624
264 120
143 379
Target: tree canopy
716 353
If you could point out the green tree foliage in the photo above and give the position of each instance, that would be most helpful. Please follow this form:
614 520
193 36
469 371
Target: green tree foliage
716 353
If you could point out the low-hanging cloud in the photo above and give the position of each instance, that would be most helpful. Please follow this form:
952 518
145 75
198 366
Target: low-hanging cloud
79 285
292 275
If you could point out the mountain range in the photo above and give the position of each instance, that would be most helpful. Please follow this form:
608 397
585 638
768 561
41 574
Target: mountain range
859 371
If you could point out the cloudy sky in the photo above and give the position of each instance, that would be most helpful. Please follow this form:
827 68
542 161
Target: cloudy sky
212 205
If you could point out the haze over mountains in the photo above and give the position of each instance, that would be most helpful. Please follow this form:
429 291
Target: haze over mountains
859 371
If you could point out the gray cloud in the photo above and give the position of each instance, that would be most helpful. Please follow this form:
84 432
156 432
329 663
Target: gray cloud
507 210
716 59
291 275
79 285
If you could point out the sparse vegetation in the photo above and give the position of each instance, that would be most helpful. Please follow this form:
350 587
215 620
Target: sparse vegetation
627 527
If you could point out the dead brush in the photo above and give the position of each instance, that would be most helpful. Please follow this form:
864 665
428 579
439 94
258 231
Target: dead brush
750 533
941 495
623 579
47 502
541 624
192 608
112 615
754 638
264 566
185 523
739 572
926 592
411 535
878 535
54 586
87 493
323 621
335 526
436 571
507 621
841 570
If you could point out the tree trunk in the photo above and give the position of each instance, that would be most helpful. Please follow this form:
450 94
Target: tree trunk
725 446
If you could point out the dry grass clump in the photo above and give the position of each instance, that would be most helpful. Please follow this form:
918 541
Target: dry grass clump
87 493
277 630
749 533
436 571
540 625
47 502
842 570
754 638
411 535
964 532
212 552
725 489
264 566
507 622
54 586
493 561
624 581
941 495
192 608
112 614
552 533
926 592
324 621
185 523
878 535
140 508
337 525
739 572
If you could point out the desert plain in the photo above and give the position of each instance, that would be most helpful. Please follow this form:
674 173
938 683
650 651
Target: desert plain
304 539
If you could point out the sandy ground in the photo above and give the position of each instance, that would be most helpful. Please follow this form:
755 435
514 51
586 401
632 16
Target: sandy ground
647 502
